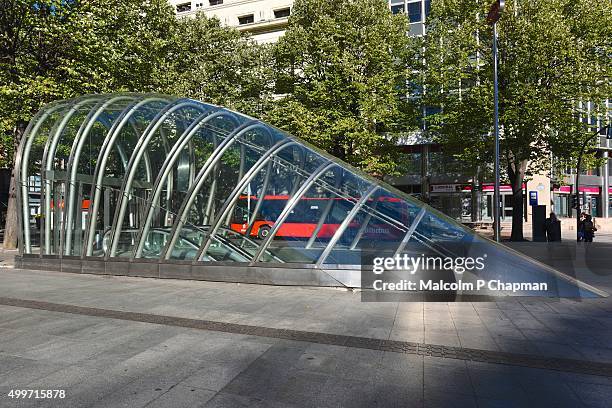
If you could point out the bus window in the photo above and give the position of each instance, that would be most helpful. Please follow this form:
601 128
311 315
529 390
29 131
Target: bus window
339 211
307 211
271 209
241 213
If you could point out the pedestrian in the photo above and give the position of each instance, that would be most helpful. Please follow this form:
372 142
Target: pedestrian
581 227
553 228
589 229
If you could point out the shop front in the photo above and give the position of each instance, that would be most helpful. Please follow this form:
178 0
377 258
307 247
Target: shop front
590 201
454 200
505 192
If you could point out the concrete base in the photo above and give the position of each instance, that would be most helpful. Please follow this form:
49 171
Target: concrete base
301 275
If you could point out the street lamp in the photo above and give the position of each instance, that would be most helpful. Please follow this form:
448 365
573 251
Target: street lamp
604 131
492 18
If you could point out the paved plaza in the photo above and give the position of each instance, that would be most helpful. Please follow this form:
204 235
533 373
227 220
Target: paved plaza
135 342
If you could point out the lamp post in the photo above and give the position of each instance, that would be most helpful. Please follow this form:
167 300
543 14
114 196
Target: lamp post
492 18
604 131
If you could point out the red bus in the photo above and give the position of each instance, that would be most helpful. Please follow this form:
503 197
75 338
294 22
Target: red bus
304 217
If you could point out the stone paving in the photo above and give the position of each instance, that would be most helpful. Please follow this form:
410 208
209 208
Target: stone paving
7 258
459 353
102 361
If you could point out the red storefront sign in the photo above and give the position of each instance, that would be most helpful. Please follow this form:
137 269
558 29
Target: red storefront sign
583 189
502 188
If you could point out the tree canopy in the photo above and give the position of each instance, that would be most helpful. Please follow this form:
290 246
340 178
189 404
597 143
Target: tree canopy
343 71
220 65
553 59
55 49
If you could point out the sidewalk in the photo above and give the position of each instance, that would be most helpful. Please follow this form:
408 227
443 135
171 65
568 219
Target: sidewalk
567 234
7 257
95 338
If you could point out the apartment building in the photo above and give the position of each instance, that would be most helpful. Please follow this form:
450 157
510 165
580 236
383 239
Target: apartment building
265 20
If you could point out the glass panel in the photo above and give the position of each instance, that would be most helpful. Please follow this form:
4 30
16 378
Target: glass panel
343 195
272 182
414 12
381 224
112 163
54 167
31 178
182 174
222 177
83 160
386 218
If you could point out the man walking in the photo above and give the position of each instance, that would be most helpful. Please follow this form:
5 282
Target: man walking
589 229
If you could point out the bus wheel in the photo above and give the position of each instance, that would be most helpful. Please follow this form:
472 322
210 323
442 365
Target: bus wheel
263 232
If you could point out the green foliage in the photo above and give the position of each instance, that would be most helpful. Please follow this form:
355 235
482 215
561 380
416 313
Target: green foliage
54 49
220 65
344 67
552 55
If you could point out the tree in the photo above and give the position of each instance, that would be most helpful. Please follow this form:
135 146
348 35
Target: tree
343 68
553 55
55 49
220 65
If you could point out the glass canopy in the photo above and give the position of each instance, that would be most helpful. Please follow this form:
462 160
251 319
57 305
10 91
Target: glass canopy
152 176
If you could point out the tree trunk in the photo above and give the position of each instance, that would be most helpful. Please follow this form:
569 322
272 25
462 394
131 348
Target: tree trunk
516 172
11 228
517 211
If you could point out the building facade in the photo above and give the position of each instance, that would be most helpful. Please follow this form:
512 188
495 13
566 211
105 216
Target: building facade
265 20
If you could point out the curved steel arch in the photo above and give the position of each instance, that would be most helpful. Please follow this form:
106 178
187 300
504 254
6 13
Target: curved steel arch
413 227
227 205
47 163
173 156
109 142
264 188
208 166
345 223
65 243
295 198
73 162
139 149
21 166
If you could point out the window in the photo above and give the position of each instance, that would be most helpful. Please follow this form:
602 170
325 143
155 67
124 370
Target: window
183 7
248 19
215 2
414 12
397 8
281 13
